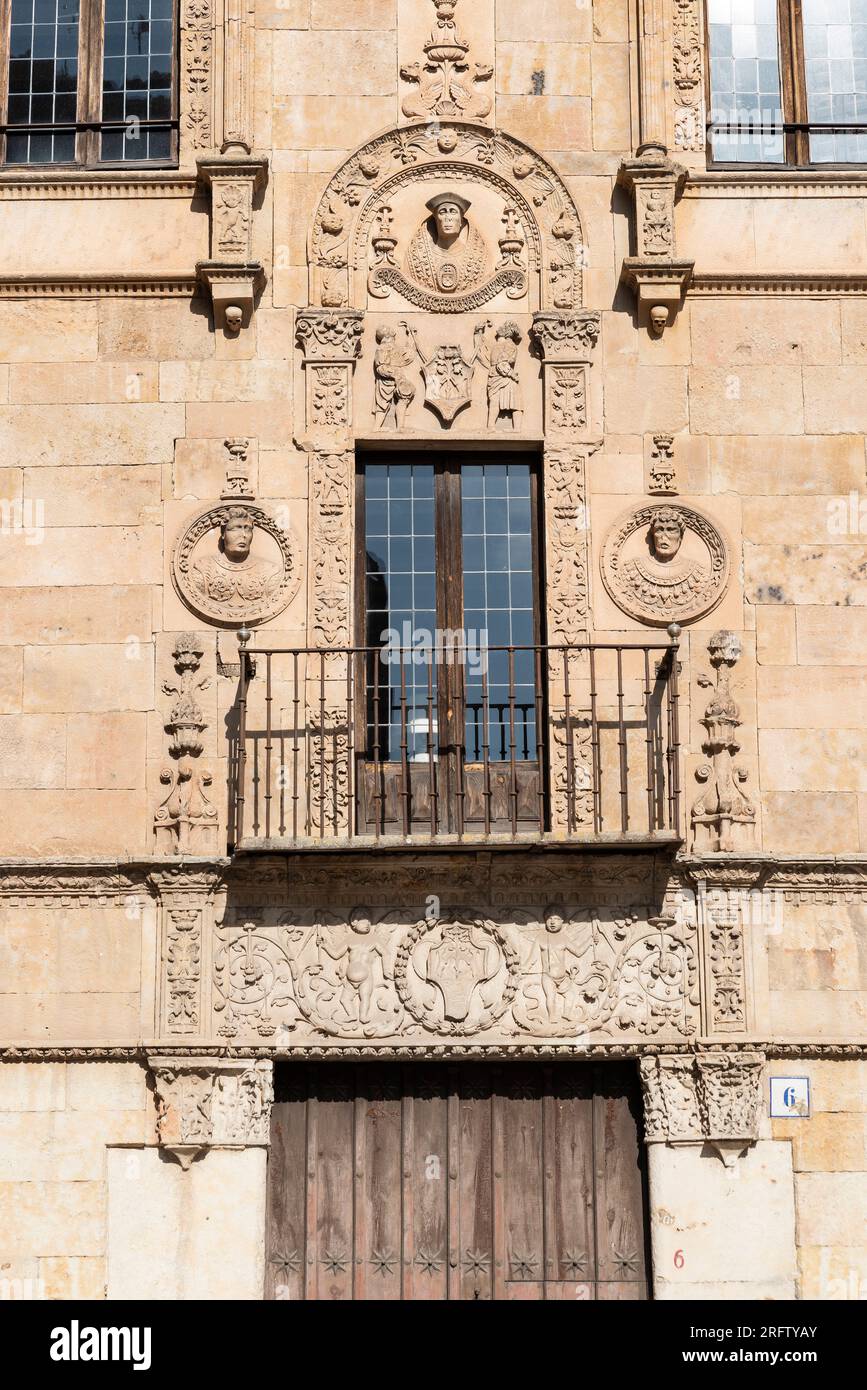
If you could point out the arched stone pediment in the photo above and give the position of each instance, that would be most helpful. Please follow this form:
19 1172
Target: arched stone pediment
522 212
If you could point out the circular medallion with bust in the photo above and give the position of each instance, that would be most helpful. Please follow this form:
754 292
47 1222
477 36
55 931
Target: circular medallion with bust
447 254
230 583
659 582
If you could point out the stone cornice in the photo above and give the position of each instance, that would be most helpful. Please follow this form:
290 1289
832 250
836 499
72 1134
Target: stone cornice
728 283
92 184
182 284
95 1052
782 183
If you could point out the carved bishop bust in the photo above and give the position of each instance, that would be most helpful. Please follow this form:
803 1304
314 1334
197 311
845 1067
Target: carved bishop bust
447 254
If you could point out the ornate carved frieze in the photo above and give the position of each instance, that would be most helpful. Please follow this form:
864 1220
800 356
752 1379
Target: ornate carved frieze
231 274
724 948
331 343
723 816
445 83
704 1097
557 973
665 563
207 1103
654 272
186 819
354 247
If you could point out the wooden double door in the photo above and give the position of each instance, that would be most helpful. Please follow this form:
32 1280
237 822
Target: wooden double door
457 1181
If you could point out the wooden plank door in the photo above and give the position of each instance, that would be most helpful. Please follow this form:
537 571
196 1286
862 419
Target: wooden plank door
471 1182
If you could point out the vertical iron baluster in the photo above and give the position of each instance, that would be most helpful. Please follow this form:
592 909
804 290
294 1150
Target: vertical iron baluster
674 632
513 771
431 765
296 716
540 741
350 746
648 739
595 757
486 749
570 752
243 639
621 745
404 761
267 745
321 745
377 797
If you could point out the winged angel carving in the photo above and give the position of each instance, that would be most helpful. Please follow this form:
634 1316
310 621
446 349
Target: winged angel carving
557 974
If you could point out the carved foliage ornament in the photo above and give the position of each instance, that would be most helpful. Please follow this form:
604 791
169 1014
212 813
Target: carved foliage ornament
689 132
446 84
652 577
197 58
211 1104
540 225
711 1096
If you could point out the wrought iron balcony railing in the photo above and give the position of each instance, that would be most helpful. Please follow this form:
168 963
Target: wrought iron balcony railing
442 743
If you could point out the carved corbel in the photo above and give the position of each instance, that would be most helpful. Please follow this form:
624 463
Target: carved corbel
654 273
565 342
231 276
211 1103
703 1098
330 340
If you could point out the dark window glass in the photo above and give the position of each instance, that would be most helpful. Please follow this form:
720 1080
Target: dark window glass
138 67
42 80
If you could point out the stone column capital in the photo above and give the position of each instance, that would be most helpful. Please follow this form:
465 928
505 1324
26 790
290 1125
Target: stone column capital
704 1097
211 1103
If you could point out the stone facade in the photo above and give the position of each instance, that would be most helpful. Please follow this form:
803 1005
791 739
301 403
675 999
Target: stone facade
196 354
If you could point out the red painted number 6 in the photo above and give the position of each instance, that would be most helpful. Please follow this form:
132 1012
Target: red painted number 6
678 1259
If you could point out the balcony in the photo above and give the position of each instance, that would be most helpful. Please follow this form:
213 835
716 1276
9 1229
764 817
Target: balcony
359 747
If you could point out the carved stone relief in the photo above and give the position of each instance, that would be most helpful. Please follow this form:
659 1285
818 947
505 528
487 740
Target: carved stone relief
330 548
197 74
231 275
331 343
564 972
665 563
565 343
689 131
706 1097
723 816
211 1103
372 227
447 84
233 565
661 473
186 820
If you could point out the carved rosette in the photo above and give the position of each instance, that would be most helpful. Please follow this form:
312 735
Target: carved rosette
208 1103
565 343
331 343
706 1097
349 219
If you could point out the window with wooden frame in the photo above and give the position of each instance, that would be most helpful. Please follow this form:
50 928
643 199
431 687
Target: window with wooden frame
89 82
788 81
449 551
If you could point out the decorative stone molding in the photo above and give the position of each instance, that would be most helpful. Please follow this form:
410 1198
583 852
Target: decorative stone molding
95 183
238 60
208 1103
372 1051
185 899
654 273
231 275
445 82
99 287
652 44
658 582
703 1097
724 284
540 217
331 343
186 821
566 342
330 529
723 817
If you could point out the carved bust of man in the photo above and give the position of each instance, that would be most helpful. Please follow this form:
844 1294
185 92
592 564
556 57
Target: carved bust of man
662 580
233 576
447 253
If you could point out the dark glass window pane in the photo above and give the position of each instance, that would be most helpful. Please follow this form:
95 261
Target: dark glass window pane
64 148
19 110
16 149
21 41
41 149
43 76
42 109
112 145
138 69
64 107
19 77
